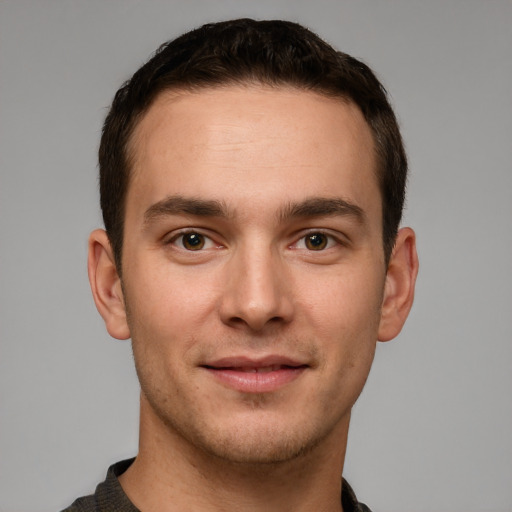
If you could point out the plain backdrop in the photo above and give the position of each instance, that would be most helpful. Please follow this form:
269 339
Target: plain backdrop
433 428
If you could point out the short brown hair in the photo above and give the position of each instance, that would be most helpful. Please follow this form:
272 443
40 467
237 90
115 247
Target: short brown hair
247 51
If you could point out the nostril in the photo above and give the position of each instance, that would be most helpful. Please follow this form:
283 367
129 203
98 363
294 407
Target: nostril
256 325
237 320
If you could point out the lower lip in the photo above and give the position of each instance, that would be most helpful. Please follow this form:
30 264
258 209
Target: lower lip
254 382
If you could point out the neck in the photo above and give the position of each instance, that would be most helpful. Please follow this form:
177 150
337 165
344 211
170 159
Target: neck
170 474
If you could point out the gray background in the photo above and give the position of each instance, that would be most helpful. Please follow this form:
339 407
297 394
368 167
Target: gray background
433 429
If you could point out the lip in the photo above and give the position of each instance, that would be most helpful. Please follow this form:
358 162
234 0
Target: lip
262 375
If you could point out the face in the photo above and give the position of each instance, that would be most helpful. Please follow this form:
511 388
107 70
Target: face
253 268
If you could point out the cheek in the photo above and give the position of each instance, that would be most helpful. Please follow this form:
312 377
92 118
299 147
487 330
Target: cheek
168 312
344 314
349 344
348 300
166 296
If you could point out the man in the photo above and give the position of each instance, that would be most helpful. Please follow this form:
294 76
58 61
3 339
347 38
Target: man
252 182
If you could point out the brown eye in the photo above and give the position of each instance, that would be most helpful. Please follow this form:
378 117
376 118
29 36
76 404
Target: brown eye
316 241
193 241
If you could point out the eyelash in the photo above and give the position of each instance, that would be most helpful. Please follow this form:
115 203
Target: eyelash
330 241
207 240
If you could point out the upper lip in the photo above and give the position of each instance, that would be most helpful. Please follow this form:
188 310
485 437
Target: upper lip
253 362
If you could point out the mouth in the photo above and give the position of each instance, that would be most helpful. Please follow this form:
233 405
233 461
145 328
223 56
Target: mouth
255 376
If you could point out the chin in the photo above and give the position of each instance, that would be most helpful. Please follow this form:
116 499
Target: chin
257 435
261 444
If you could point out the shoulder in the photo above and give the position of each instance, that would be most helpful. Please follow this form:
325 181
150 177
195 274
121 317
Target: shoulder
84 504
349 500
109 495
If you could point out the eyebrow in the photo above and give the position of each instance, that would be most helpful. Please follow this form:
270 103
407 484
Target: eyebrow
310 207
322 207
176 205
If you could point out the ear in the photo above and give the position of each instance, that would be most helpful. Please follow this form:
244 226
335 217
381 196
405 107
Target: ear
106 285
399 286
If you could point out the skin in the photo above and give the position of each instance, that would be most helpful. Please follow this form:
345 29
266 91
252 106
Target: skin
255 177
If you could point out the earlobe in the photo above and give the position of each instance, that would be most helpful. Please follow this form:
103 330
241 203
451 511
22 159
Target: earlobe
106 285
399 286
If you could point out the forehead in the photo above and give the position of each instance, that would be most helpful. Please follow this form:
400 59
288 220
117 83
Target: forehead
191 142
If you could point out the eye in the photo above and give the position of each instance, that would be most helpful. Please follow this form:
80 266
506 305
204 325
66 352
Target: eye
193 241
316 241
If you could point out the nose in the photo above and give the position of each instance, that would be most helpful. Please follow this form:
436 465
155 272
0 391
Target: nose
257 293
